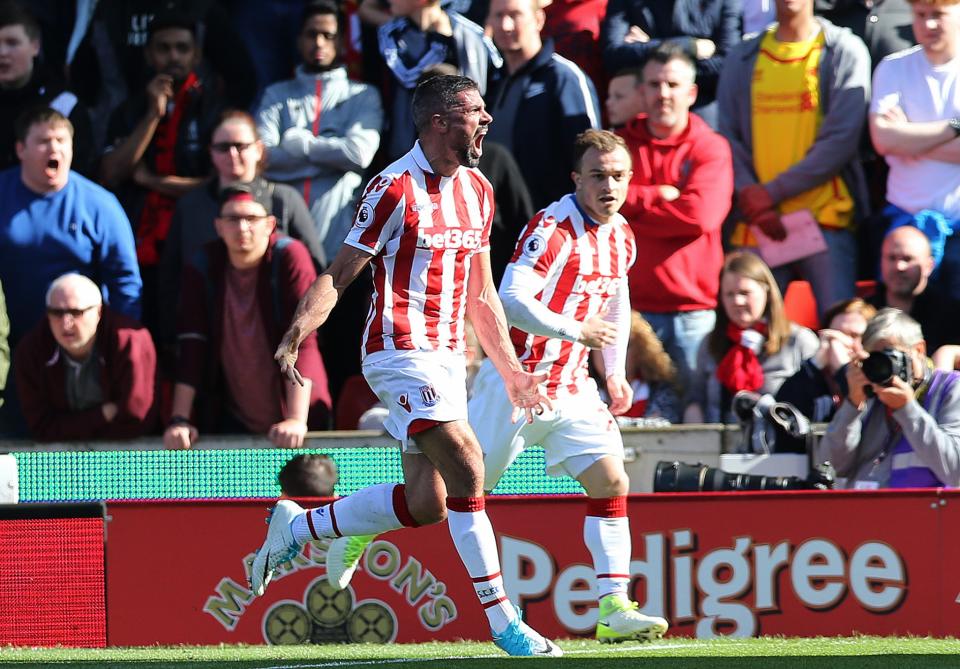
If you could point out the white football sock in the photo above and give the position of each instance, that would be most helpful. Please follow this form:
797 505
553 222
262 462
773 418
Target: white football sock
367 511
473 536
607 536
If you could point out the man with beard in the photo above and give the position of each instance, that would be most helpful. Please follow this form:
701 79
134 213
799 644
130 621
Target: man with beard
424 226
905 267
158 144
565 292
321 129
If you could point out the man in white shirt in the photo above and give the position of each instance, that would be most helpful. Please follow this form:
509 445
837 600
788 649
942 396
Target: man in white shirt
915 125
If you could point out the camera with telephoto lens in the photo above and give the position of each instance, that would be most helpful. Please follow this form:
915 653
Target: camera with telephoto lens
683 477
881 367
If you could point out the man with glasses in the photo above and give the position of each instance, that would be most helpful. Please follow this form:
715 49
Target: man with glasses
244 289
320 128
85 371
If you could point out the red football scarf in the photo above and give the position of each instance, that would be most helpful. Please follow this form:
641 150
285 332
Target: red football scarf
740 368
158 208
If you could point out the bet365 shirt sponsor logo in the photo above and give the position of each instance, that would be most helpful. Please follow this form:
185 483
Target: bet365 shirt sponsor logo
451 238
602 285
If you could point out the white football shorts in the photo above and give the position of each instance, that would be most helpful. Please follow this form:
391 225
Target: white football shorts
417 384
577 432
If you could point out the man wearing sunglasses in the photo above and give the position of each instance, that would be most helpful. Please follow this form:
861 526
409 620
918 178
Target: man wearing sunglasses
85 371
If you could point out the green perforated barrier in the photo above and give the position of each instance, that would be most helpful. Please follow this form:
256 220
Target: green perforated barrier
98 475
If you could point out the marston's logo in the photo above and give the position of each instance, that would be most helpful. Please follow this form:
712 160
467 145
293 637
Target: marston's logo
451 238
602 285
325 615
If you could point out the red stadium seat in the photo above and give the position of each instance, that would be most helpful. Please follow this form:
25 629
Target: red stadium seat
801 307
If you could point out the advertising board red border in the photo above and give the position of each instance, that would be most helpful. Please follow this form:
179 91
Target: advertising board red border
740 564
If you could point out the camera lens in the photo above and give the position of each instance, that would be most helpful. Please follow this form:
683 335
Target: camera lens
878 367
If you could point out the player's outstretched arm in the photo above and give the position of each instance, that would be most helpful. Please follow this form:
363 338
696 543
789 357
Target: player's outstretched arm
317 303
486 314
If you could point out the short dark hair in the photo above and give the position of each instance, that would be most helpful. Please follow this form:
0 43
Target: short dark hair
603 141
319 8
168 21
34 115
671 50
15 14
252 191
437 95
632 71
308 475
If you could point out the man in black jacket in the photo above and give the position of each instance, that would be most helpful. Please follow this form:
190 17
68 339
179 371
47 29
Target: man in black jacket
541 103
25 84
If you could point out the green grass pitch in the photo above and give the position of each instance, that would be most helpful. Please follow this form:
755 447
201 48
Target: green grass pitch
820 653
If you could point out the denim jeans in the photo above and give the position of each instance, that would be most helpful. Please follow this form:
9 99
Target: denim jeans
832 274
681 333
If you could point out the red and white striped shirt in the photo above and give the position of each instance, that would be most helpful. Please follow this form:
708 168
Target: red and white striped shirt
422 229
583 266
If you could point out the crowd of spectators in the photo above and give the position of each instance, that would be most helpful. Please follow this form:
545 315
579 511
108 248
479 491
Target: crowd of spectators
175 173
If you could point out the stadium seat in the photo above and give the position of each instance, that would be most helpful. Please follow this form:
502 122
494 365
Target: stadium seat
801 307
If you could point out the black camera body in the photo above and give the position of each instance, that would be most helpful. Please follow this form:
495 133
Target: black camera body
881 367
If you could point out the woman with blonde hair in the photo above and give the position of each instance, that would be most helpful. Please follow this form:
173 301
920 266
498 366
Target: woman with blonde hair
753 345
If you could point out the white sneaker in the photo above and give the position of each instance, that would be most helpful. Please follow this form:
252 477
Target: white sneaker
343 558
277 548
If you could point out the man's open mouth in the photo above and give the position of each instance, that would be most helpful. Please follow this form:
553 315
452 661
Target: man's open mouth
478 140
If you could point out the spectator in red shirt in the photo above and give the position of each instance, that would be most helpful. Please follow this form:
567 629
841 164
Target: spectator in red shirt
245 289
679 195
85 371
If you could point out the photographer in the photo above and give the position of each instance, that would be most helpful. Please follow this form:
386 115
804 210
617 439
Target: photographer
817 389
899 426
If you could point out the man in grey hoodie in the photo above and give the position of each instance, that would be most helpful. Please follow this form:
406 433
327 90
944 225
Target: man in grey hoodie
793 103
321 130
